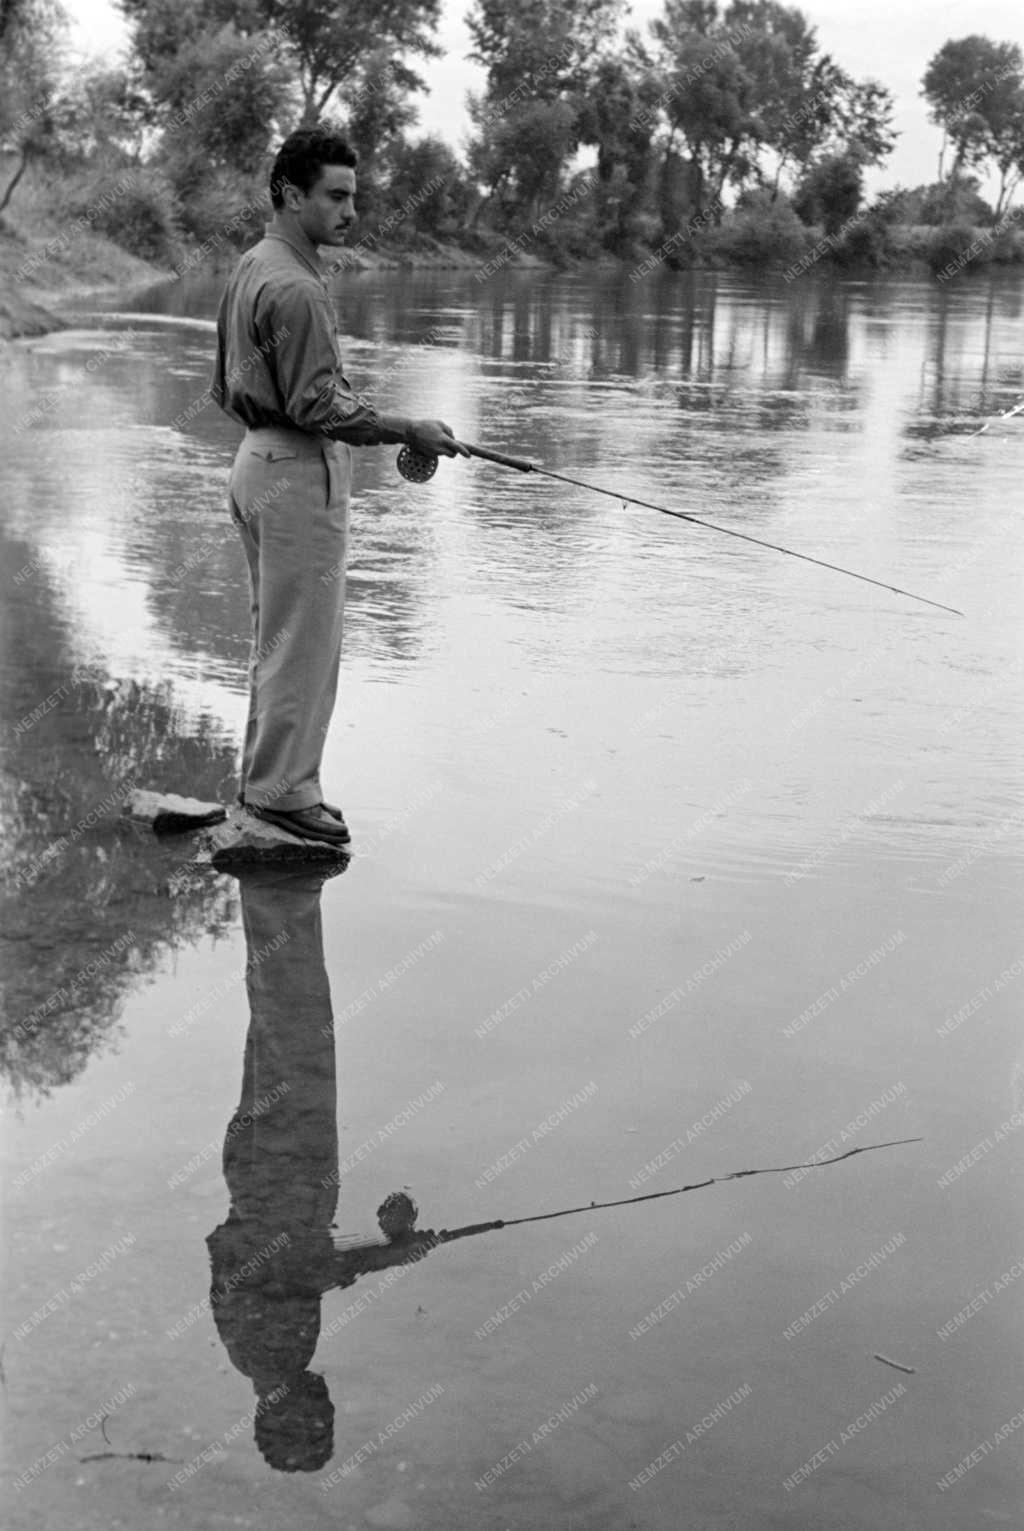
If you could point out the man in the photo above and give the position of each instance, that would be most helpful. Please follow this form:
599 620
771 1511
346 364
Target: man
278 373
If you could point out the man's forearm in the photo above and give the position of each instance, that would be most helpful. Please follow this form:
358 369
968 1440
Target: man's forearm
364 427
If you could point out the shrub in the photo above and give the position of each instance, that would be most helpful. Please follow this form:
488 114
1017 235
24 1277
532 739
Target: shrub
953 243
868 242
830 193
228 209
942 203
761 232
135 207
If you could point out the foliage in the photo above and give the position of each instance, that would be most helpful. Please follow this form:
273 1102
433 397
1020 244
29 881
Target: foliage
830 192
722 102
144 219
542 80
975 92
429 187
331 43
761 231
868 241
950 244
31 38
941 202
748 92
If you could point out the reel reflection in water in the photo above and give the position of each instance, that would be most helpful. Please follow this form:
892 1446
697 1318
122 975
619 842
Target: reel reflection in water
416 466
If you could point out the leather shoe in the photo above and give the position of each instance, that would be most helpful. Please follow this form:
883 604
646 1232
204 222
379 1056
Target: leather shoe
308 823
330 808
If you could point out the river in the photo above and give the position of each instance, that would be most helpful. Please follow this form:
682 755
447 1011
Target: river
673 857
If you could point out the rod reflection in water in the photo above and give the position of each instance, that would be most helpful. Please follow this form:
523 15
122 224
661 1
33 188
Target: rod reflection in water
274 1256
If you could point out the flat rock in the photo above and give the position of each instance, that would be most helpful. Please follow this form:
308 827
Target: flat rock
244 838
169 813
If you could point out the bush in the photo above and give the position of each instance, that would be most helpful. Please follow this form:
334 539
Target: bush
868 242
941 203
761 232
228 209
135 207
953 244
830 192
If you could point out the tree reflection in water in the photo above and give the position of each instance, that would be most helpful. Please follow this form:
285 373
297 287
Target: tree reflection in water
85 908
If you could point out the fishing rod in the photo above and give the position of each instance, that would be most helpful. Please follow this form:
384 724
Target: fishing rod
398 1213
419 466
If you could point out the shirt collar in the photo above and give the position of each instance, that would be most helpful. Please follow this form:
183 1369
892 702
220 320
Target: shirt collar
301 244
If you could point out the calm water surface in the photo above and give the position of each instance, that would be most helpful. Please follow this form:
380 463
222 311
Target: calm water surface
673 857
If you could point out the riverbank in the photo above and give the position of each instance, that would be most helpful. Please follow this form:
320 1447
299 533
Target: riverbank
37 274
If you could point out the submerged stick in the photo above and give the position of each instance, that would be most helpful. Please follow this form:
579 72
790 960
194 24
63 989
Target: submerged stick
512 1222
910 1370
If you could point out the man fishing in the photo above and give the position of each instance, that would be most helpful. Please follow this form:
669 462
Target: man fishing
278 373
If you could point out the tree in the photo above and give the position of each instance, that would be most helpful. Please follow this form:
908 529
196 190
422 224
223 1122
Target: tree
975 92
31 42
217 97
750 94
426 179
617 117
104 112
540 77
331 43
831 191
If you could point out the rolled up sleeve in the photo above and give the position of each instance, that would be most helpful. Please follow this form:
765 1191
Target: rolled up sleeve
296 333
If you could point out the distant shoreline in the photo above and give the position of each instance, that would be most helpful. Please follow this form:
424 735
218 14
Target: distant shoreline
26 306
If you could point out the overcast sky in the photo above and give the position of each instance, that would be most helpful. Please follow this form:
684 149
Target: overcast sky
888 40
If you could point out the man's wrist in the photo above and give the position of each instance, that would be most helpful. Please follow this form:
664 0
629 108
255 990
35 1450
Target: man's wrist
395 430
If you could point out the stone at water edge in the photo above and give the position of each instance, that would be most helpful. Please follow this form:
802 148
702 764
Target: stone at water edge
245 838
168 812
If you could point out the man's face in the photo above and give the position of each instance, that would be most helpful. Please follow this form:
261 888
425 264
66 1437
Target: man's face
328 209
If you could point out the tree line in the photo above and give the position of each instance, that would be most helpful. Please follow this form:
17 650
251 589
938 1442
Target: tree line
723 127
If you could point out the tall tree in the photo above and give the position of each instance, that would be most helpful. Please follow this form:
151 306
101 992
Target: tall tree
218 90
541 57
330 43
749 94
31 41
618 118
975 92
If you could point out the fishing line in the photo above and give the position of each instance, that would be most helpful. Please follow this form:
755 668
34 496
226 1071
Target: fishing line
1007 414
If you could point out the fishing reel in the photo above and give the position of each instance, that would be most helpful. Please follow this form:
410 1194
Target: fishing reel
415 465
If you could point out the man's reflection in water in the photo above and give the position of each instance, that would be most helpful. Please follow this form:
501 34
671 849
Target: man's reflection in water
274 1257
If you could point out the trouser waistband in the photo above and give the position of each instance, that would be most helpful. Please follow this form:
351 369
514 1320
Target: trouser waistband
301 442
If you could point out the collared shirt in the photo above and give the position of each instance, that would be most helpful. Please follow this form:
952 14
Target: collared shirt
277 360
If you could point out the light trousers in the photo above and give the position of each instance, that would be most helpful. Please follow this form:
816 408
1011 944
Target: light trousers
288 496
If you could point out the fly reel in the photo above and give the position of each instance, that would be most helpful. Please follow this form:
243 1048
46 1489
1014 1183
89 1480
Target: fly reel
415 465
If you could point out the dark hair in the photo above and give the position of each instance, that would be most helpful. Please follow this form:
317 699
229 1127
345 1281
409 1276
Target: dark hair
302 156
294 1425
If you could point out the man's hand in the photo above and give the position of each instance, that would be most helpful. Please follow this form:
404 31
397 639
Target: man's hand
435 437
